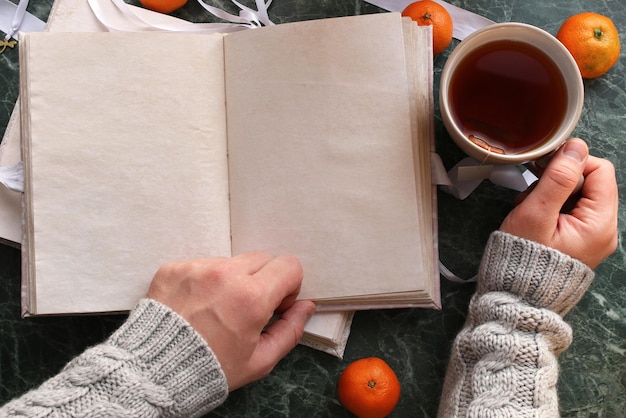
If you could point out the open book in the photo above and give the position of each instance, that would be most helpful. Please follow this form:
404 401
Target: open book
311 138
325 331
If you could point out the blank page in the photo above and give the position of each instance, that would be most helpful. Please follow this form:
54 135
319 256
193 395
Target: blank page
320 153
125 149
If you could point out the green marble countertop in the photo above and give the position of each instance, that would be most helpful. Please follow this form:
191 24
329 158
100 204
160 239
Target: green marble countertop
416 342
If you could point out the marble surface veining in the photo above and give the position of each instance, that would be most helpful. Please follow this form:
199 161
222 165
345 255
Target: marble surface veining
415 343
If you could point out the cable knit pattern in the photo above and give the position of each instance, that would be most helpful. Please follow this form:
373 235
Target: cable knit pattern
154 365
504 360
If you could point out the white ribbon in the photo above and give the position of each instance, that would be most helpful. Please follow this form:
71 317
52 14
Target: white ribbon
117 16
15 18
247 16
469 173
13 177
453 277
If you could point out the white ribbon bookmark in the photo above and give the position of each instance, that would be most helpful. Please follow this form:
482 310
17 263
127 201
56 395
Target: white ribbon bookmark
15 18
247 16
13 177
118 16
469 173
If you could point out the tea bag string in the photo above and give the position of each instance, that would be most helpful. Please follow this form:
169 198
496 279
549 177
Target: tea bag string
489 153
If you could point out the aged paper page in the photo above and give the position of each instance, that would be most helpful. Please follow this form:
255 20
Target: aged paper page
127 162
66 16
320 153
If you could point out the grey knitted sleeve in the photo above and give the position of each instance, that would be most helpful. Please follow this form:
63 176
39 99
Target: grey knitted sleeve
154 365
504 360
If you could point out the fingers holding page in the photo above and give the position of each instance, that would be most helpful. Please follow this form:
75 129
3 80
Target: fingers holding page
229 301
252 262
281 279
281 337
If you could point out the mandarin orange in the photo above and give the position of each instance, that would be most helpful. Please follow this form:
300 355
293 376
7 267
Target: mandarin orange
163 6
369 388
430 13
593 41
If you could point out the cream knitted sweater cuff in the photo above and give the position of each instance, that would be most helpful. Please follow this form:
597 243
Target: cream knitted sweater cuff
154 365
174 357
539 275
504 362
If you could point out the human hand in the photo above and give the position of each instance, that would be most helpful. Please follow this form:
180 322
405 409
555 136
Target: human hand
230 301
588 231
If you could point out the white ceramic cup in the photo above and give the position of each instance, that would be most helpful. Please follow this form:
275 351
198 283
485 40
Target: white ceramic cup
538 38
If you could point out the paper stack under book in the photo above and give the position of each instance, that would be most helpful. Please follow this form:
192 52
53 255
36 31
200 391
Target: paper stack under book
310 138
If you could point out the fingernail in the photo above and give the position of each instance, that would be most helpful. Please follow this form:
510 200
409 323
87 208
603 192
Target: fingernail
576 150
311 311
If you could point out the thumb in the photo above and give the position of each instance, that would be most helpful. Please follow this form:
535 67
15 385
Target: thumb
281 336
560 178
285 333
